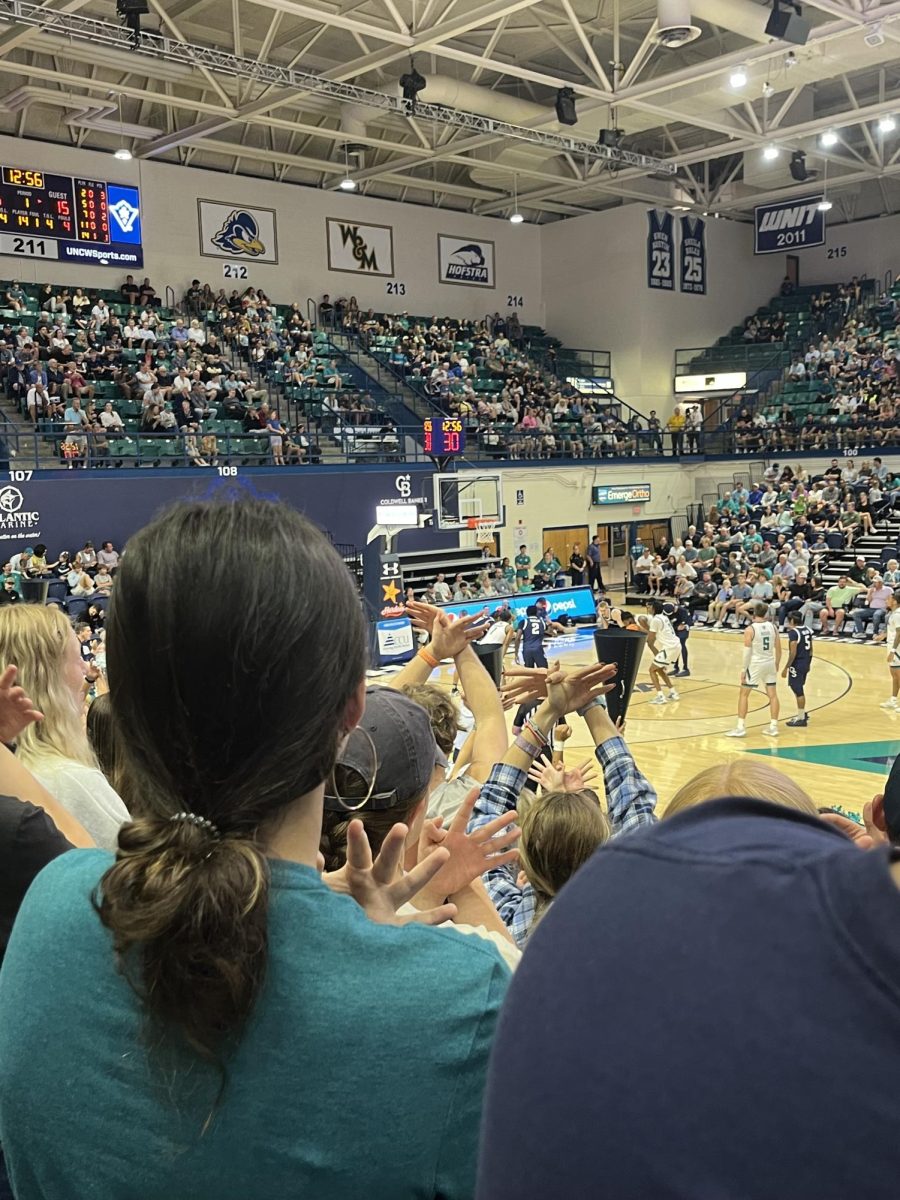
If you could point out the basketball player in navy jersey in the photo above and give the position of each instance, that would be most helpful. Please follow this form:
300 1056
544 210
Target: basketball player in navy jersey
532 630
800 651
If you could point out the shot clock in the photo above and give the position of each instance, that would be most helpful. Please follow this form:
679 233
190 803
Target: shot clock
70 219
444 435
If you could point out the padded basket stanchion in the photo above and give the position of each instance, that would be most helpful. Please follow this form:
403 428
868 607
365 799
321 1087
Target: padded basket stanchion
34 591
623 647
492 659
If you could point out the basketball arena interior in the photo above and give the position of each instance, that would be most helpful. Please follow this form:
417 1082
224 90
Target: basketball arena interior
449 599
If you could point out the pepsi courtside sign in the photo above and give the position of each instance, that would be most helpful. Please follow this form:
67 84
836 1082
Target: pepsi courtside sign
791 225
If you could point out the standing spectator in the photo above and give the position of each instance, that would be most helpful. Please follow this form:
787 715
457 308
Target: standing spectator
577 565
595 569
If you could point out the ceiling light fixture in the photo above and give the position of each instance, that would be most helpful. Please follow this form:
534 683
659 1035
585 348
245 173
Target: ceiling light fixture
738 77
122 153
771 153
887 124
767 90
347 184
824 205
515 217
829 138
790 59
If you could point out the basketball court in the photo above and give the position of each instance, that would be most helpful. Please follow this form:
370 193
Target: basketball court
841 759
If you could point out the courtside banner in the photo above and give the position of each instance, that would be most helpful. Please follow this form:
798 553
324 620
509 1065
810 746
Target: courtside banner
561 602
396 641
790 225
660 251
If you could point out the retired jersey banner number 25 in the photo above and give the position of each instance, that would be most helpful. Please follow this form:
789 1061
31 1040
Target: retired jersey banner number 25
791 225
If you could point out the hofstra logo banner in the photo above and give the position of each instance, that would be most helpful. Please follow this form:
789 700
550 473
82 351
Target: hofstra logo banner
465 261
236 231
361 249
791 225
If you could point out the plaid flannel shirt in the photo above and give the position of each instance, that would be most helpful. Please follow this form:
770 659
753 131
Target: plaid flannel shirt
630 800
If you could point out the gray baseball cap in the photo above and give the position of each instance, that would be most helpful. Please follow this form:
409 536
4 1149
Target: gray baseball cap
405 750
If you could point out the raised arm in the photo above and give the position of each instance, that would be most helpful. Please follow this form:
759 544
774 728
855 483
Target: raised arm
489 738
630 799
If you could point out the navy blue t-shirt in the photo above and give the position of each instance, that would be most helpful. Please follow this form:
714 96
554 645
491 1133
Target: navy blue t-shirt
709 1011
803 637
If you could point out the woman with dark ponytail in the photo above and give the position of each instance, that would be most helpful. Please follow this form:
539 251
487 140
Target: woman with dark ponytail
202 1015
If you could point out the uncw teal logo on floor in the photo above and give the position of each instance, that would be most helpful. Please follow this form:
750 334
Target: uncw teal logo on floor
877 757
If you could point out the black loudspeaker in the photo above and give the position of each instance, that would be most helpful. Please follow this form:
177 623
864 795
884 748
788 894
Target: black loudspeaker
565 107
623 647
788 27
137 8
491 659
798 166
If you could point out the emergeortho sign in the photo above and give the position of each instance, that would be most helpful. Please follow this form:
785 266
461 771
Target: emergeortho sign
791 225
620 493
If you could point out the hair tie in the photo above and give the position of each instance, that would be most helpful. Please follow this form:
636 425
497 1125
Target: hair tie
199 822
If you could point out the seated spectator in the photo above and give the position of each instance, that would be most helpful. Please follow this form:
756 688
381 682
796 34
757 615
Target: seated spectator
234 825
110 419
874 608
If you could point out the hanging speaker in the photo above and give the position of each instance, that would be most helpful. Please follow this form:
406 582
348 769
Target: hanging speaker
565 107
623 647
788 27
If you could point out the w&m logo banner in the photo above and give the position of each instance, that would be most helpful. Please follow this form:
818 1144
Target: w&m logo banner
362 249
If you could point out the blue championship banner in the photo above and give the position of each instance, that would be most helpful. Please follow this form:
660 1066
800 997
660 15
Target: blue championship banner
693 255
561 602
660 251
791 225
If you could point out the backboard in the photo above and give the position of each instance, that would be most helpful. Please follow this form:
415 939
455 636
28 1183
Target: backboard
459 499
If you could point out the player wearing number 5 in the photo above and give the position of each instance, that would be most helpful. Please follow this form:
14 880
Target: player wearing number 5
762 655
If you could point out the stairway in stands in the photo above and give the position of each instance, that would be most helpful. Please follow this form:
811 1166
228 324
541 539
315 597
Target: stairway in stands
871 546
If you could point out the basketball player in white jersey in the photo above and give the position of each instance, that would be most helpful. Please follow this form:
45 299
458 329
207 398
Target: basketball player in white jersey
666 649
762 654
893 644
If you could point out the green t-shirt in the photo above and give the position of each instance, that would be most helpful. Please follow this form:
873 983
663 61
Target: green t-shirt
359 1075
523 562
839 597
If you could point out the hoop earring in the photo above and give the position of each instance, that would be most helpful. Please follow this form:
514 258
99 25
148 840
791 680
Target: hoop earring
334 794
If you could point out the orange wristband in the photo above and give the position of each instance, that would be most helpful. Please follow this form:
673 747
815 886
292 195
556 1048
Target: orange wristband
428 658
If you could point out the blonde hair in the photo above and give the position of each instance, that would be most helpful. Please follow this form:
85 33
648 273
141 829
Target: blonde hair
742 777
35 640
560 832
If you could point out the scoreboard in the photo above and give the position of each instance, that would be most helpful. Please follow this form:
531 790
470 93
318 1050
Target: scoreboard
444 435
69 219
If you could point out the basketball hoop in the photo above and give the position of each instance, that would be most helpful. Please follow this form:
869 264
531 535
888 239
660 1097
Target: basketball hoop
484 529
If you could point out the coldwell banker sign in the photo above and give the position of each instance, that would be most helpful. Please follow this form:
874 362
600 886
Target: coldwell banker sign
791 225
464 261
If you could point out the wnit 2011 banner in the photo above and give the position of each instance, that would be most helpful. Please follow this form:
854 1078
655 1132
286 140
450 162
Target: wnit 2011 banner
791 225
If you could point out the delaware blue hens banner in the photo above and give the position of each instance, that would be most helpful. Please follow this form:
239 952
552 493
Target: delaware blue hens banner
693 255
660 251
791 225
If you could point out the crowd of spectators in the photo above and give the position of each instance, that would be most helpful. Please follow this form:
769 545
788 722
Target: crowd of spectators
770 540
272 839
841 392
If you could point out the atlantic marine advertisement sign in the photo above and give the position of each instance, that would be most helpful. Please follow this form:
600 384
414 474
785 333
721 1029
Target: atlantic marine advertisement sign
466 261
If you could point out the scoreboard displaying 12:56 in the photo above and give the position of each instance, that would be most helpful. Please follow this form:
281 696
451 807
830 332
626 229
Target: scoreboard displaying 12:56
69 219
